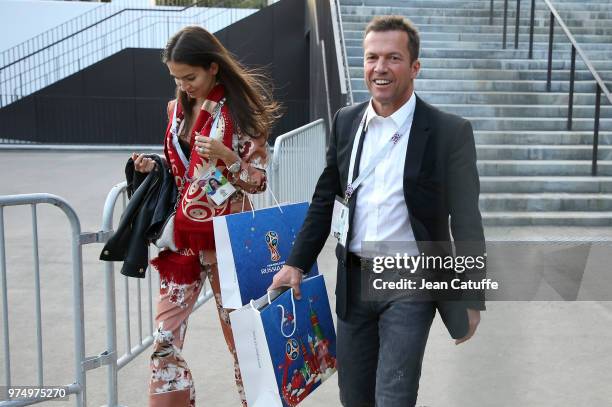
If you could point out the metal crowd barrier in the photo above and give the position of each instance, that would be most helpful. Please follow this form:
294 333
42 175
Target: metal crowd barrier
78 239
109 357
297 161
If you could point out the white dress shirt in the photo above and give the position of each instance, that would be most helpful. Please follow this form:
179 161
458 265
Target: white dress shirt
381 214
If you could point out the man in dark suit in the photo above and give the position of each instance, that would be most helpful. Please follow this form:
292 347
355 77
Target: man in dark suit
406 193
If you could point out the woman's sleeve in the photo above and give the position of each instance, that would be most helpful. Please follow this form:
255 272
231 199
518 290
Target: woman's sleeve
254 157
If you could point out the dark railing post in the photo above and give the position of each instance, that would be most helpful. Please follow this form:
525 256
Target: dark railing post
596 130
505 23
531 28
518 22
491 13
550 51
570 105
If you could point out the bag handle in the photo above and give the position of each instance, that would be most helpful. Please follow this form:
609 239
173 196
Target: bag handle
284 319
268 189
255 306
275 200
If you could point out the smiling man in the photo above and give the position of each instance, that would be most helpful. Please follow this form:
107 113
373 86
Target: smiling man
402 169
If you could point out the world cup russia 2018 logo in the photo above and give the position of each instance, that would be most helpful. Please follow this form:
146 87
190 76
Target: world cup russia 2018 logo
272 241
292 349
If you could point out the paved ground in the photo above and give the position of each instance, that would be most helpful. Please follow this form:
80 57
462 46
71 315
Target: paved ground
525 354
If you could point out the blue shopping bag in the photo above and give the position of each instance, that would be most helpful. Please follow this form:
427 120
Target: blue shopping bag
286 347
252 247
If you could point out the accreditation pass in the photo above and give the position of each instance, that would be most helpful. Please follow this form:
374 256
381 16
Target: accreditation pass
340 222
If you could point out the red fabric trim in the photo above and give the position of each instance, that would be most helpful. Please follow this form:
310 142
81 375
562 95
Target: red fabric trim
202 239
176 267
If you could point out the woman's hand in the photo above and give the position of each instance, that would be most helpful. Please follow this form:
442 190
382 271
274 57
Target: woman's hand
142 163
211 149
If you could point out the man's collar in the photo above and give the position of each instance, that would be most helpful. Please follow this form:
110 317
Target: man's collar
399 116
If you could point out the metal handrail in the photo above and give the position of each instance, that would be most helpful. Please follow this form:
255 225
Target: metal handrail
36 72
578 49
600 84
107 35
343 66
61 30
67 37
50 33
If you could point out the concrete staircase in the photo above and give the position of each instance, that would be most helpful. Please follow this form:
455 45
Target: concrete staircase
533 171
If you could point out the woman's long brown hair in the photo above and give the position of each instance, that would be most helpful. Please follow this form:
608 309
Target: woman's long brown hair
248 91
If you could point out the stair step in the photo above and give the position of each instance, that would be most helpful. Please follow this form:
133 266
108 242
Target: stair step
570 16
531 184
353 13
506 98
425 27
428 85
542 202
498 74
494 85
424 3
507 64
582 13
476 96
420 3
541 167
497 44
533 123
526 111
541 152
541 137
498 4
359 22
355 54
547 218
490 37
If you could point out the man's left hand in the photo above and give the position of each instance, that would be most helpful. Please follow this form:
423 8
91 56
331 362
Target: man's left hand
473 321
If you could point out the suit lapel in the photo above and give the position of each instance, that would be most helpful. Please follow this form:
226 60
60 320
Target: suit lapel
419 133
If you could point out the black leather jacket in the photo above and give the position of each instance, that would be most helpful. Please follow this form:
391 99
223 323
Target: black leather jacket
152 200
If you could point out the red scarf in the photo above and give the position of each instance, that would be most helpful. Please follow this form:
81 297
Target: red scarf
193 229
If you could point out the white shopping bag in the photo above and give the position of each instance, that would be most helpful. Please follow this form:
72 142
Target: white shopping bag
286 347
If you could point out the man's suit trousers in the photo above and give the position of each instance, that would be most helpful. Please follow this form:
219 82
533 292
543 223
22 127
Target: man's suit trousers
380 347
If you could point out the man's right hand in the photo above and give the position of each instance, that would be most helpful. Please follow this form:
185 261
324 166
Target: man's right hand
288 276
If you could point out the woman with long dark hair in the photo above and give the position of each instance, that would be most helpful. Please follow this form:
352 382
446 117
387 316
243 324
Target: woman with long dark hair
219 122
